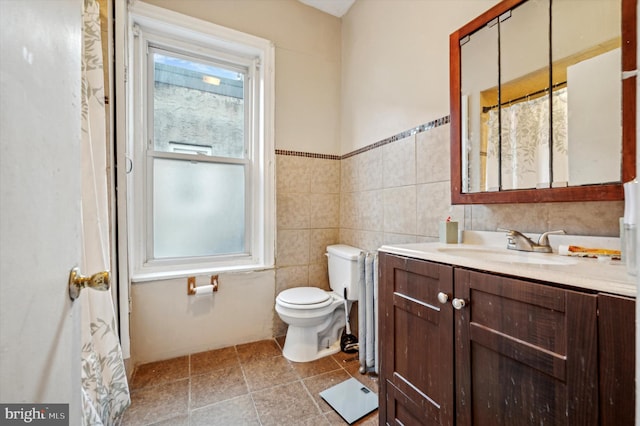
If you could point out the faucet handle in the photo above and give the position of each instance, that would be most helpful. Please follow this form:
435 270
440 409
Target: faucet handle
544 238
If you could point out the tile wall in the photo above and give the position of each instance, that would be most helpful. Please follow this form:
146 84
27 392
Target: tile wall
308 220
395 191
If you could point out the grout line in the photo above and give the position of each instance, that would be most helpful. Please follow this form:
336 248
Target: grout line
246 382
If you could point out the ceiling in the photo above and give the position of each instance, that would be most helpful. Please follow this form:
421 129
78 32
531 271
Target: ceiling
332 7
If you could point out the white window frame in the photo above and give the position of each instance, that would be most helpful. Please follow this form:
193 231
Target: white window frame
151 25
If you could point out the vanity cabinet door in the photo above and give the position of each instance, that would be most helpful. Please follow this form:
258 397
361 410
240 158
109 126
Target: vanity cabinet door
416 382
617 343
526 353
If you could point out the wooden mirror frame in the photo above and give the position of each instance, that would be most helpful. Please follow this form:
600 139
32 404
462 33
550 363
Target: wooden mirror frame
603 192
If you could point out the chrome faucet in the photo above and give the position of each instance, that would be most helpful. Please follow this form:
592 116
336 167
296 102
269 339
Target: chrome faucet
518 241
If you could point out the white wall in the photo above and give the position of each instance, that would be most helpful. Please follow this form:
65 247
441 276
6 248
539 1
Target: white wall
307 45
167 323
395 65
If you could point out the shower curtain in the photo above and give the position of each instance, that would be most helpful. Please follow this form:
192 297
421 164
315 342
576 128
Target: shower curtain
105 391
525 143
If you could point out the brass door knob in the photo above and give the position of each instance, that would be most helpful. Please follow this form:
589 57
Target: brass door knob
99 281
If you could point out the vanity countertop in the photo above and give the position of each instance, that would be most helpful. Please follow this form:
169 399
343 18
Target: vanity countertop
482 251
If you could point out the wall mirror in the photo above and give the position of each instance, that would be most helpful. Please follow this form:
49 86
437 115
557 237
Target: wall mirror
543 102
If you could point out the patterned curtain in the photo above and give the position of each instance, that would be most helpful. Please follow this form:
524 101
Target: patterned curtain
105 391
525 143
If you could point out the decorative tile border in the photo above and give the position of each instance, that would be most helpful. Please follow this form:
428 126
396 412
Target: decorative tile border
415 130
307 154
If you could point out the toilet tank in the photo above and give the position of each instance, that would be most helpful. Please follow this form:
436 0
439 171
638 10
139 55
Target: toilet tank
343 269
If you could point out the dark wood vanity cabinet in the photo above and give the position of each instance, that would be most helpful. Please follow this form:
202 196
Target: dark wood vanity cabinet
525 352
416 384
616 351
515 352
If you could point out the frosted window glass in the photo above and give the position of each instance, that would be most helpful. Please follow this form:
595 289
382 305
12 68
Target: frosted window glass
198 208
198 108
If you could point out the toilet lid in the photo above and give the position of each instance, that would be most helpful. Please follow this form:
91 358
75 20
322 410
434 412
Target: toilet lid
304 296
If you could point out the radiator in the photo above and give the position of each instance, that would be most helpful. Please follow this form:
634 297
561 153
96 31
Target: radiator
368 312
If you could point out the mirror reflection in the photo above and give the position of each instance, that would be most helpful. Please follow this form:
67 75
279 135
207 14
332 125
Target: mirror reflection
586 55
541 97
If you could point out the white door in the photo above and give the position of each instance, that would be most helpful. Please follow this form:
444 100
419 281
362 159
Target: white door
40 53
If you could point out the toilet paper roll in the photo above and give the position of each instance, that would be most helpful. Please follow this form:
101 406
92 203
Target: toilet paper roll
203 290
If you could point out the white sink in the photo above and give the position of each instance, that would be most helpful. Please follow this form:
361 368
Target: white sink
507 256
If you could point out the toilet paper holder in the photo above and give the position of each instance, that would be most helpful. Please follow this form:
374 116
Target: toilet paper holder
191 285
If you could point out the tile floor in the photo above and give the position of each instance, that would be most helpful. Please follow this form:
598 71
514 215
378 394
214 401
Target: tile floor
249 384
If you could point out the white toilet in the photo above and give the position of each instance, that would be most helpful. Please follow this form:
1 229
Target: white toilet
316 317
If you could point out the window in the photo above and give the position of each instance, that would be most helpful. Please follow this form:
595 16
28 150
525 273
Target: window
202 186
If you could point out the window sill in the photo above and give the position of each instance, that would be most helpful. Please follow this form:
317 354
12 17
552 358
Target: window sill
168 275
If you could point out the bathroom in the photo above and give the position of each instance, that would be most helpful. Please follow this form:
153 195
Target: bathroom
342 85
325 193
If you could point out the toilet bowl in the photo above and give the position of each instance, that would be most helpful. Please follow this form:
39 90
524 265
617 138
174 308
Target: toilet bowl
316 317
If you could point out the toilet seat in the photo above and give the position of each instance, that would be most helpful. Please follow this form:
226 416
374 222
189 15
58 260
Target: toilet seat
304 298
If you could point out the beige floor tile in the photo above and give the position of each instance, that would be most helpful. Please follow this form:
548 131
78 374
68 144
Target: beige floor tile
216 386
313 368
237 411
152 404
345 359
204 362
287 404
258 350
319 420
158 372
249 384
182 420
268 372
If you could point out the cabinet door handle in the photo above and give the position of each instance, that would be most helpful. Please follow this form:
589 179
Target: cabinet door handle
443 297
458 303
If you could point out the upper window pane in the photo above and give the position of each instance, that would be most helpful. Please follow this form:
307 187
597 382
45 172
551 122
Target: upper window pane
198 107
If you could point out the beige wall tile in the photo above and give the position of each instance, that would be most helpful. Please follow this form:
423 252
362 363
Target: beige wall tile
369 170
400 210
433 155
587 218
368 208
293 211
348 175
521 217
434 206
319 276
292 276
292 174
348 213
399 163
324 210
365 240
319 240
324 176
399 238
292 247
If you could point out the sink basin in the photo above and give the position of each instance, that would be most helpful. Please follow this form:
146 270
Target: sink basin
507 256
